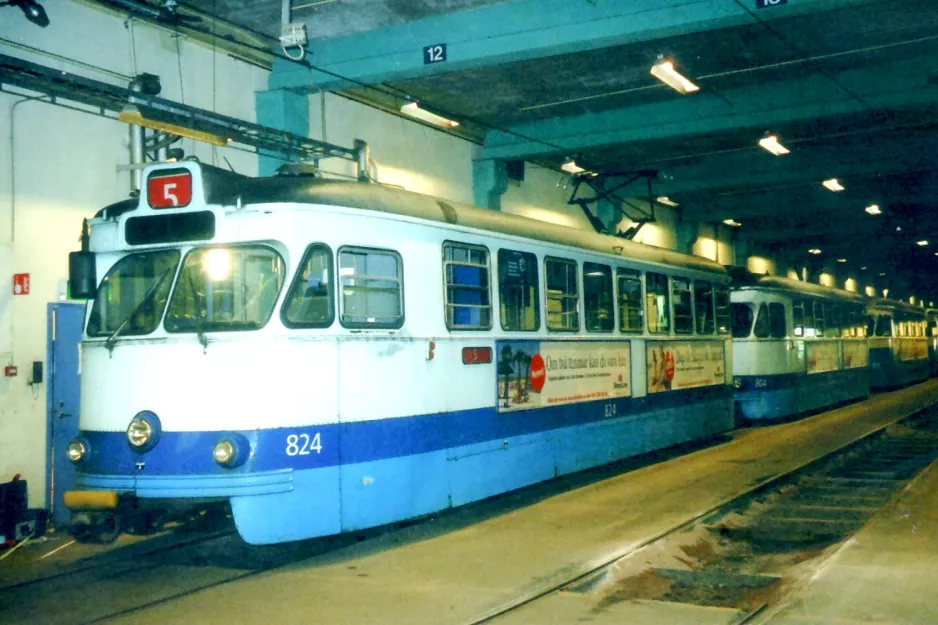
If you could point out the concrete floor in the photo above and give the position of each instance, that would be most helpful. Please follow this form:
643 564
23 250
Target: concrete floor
460 575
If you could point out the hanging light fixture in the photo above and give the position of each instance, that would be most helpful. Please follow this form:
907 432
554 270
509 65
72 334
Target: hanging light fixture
571 167
413 109
31 9
833 184
665 72
771 144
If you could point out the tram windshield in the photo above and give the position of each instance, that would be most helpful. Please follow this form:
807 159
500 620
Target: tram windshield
133 294
226 289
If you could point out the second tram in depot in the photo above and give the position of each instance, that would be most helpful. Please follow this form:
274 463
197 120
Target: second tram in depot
328 356
899 344
797 346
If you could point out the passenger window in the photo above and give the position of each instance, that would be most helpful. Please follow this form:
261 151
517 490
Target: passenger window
683 311
761 329
563 295
656 295
466 270
371 288
310 304
809 319
722 297
883 325
870 325
819 318
777 324
836 320
703 306
597 298
630 300
797 317
518 291
742 320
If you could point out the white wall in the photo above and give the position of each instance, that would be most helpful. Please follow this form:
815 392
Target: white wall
66 169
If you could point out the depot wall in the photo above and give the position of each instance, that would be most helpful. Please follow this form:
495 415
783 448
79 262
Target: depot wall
58 166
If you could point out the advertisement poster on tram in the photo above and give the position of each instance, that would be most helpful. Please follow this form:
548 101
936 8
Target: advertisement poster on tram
822 356
674 365
537 374
856 354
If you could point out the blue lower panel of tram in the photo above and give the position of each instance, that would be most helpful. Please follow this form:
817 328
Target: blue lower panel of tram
341 477
888 371
763 397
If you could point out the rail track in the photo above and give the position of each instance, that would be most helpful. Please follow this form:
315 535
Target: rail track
738 560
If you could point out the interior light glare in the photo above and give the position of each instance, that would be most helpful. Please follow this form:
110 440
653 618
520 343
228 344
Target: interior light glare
217 264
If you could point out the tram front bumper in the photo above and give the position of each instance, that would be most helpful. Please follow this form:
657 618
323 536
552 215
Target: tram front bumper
93 499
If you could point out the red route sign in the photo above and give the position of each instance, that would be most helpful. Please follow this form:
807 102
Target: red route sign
172 190
538 373
20 284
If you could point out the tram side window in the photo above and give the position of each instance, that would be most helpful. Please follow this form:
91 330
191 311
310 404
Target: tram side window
309 303
870 325
630 300
836 320
883 325
742 320
797 317
703 306
658 303
371 288
761 329
777 325
597 298
820 318
563 295
722 297
809 327
683 311
518 291
466 270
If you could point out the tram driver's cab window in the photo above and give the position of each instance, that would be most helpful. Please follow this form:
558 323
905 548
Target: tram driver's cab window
371 288
518 291
309 303
658 303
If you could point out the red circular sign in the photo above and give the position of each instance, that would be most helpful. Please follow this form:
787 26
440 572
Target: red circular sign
669 365
538 373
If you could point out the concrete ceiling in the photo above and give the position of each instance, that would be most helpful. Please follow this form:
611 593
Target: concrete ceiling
850 86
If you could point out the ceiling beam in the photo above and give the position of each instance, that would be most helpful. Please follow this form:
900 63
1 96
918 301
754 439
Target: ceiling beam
758 107
515 31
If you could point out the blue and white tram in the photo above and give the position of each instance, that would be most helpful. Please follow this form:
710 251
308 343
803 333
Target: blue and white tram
898 344
329 356
797 346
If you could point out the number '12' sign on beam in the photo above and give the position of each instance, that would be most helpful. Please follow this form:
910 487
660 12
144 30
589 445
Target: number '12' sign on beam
768 4
434 54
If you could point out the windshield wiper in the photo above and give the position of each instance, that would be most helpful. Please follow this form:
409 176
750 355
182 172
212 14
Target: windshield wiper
109 343
199 331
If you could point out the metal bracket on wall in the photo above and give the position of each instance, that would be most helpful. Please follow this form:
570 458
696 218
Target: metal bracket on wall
610 187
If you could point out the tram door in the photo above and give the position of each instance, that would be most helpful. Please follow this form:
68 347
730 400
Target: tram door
62 394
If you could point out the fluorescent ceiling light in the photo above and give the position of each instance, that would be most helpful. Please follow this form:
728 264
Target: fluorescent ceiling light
814 250
663 199
665 72
882 273
732 222
132 115
571 167
841 260
833 184
414 110
771 144
921 243
873 209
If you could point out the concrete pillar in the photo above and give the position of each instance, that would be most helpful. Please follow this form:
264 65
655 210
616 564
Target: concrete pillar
489 182
283 110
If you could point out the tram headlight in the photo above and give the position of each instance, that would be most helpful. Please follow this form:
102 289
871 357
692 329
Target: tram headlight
144 431
231 450
77 450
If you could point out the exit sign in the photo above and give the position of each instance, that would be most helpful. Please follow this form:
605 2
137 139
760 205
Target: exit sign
768 4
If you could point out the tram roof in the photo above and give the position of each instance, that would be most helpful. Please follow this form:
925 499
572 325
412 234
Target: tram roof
747 280
892 305
384 199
